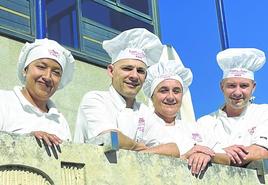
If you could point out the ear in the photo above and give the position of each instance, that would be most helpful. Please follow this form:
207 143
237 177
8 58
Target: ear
24 72
110 70
221 85
254 87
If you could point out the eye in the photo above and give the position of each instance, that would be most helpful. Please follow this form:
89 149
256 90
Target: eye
244 86
57 73
231 86
40 66
141 71
163 90
127 68
177 90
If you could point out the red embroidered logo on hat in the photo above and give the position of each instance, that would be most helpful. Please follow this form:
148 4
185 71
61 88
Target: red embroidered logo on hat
53 53
238 73
137 54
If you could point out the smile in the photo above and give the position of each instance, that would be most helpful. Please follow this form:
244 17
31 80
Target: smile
132 84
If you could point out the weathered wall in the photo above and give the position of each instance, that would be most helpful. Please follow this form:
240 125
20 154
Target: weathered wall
87 164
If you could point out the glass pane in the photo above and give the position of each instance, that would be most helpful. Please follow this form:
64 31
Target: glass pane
110 17
143 6
62 22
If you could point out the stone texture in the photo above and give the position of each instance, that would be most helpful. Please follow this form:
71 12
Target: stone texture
87 164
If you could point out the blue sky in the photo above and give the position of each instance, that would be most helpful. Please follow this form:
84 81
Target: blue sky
191 27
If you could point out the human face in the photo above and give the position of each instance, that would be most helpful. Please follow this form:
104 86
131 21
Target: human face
42 79
237 92
167 99
128 76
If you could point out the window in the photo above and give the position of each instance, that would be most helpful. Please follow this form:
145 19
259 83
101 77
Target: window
143 6
62 22
81 25
111 17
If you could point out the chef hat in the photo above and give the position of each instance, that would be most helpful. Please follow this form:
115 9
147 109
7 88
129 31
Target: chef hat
240 62
137 43
45 48
169 67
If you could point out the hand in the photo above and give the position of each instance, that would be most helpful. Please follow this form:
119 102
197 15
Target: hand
199 149
237 153
198 162
49 139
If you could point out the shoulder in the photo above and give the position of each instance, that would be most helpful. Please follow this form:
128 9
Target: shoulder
258 109
208 120
259 106
6 95
95 95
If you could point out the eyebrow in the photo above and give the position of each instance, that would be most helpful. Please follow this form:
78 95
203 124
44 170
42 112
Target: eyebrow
54 67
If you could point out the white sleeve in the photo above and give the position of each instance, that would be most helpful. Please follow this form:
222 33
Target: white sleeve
260 136
93 117
205 127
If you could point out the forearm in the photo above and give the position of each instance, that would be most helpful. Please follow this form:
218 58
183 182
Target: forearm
221 158
129 144
169 149
255 153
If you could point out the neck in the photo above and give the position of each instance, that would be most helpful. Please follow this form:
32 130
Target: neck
41 105
231 112
168 120
129 102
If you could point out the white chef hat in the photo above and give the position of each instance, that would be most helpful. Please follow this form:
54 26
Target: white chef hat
137 43
240 62
169 66
45 48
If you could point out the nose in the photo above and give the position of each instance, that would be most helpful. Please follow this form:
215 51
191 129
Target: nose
47 75
170 97
134 74
237 92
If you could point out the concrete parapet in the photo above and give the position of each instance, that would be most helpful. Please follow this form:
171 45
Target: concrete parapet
23 161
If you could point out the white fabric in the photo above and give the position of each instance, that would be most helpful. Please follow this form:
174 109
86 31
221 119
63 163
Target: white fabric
220 131
167 68
132 53
187 110
240 62
137 39
104 110
184 134
18 115
45 48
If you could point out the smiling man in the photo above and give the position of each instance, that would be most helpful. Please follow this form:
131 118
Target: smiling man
102 111
239 128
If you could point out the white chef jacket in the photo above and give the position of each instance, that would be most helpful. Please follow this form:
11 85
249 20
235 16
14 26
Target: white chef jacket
183 133
18 115
251 127
104 110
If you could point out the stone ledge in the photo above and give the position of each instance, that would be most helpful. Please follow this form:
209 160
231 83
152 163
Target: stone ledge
22 158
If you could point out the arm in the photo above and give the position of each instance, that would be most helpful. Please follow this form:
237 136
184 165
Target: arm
169 149
128 144
93 117
221 158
